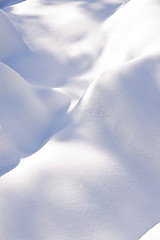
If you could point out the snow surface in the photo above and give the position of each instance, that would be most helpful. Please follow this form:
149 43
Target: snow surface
79 119
152 234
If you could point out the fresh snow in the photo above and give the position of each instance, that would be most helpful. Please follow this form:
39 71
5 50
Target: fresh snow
152 234
79 119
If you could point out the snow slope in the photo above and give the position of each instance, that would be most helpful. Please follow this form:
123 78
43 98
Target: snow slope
153 233
29 115
8 48
25 110
97 175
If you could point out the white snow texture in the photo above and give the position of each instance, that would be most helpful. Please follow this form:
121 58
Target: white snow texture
79 119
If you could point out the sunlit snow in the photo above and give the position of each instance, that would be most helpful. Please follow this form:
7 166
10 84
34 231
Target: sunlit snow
79 119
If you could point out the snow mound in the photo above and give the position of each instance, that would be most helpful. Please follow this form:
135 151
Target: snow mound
125 101
131 32
28 115
73 41
120 114
99 177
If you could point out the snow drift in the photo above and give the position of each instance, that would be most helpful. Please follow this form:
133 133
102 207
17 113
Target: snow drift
28 114
98 178
28 111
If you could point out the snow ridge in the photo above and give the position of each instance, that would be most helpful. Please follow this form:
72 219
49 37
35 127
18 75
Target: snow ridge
80 112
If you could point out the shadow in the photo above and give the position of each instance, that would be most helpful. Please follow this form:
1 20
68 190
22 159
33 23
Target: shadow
39 67
7 3
22 139
43 69
8 161
29 116
98 10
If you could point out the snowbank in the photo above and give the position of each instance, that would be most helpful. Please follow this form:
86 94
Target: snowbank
28 115
99 177
131 32
124 102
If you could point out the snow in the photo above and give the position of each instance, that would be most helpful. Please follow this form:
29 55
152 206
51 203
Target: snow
26 109
8 48
153 233
79 119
